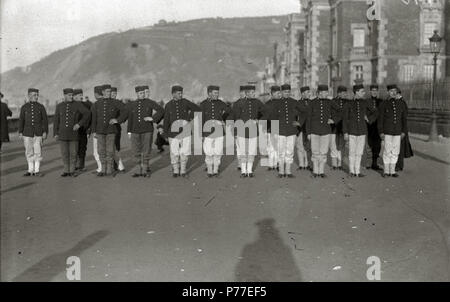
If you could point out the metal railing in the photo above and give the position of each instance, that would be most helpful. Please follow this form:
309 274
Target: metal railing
418 95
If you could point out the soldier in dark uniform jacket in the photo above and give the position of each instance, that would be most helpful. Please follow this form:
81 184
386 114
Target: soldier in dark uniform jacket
69 117
356 114
106 113
118 163
288 113
179 110
33 127
302 144
392 126
214 113
321 114
337 142
272 137
373 146
247 111
142 113
4 113
83 131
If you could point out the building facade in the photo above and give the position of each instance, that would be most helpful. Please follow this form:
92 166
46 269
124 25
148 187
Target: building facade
343 46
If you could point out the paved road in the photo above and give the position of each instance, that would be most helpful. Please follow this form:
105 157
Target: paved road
227 229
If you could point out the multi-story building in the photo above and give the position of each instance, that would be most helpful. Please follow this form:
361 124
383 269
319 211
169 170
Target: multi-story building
294 39
343 47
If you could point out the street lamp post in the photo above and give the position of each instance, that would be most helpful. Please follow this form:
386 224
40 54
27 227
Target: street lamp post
435 46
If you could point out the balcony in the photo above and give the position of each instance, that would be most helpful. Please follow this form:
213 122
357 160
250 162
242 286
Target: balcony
361 53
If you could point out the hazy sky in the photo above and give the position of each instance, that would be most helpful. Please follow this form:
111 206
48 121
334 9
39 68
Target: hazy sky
32 29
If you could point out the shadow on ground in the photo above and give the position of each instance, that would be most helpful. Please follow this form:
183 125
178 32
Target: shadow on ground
49 267
267 259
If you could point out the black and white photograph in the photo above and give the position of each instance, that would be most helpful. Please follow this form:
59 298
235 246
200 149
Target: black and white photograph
225 141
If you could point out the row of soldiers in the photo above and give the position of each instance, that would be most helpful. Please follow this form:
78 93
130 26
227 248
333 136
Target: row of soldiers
314 125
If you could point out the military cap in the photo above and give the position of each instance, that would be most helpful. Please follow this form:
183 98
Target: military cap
98 89
67 90
358 87
77 91
139 88
322 88
304 88
146 87
106 86
177 88
212 87
275 88
341 89
392 86
114 89
250 87
285 87
33 90
373 86
242 88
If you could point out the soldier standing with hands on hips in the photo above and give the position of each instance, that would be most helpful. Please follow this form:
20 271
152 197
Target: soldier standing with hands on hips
356 114
392 126
142 113
287 112
321 114
33 127
106 113
69 117
214 112
178 113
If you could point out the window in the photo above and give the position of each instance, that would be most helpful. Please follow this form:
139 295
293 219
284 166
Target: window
428 72
358 72
428 31
359 37
408 73
334 44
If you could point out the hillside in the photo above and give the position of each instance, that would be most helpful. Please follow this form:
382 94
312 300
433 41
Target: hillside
192 53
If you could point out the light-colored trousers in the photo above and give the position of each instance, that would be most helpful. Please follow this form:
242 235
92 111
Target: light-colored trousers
246 152
33 152
356 144
272 149
391 150
319 148
213 148
180 149
96 155
301 151
286 145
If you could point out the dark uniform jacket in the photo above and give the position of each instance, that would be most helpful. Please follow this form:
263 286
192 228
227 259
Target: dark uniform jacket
103 111
318 113
303 115
33 119
270 111
214 110
354 113
246 109
337 127
373 128
178 110
4 113
392 117
138 110
84 130
67 114
287 111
